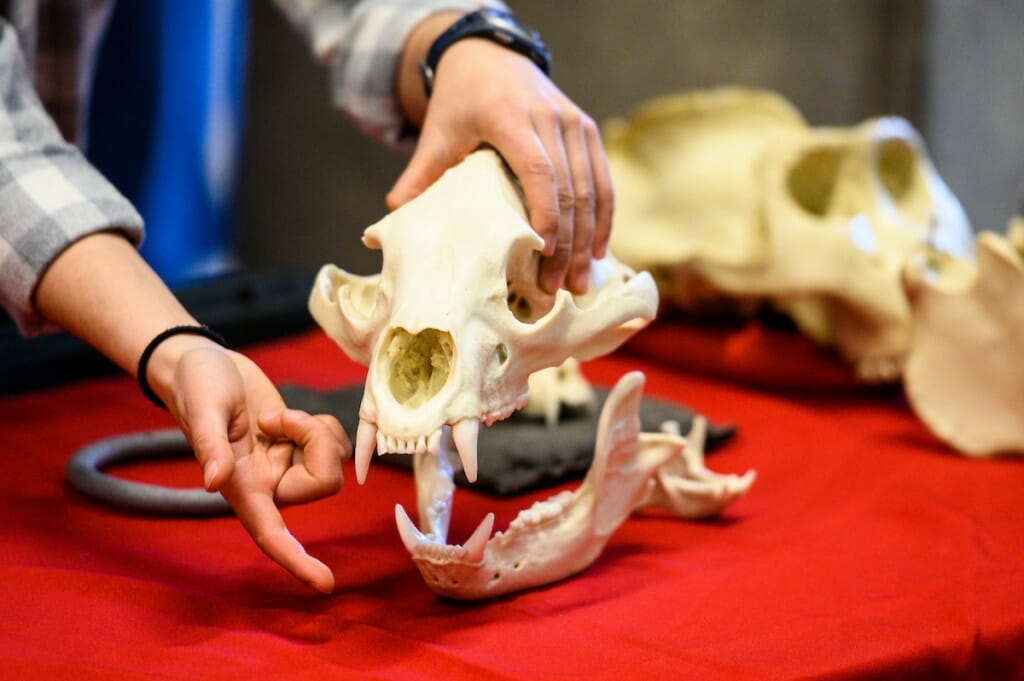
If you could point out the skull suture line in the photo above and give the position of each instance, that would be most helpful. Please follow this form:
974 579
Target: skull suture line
728 195
455 323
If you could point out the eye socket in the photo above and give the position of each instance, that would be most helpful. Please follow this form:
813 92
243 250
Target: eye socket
811 181
896 164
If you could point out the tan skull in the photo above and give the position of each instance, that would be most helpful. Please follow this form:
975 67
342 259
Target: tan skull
455 323
729 195
964 377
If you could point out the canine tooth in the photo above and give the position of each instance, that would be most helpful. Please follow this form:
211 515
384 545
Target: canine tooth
366 435
464 434
477 542
411 536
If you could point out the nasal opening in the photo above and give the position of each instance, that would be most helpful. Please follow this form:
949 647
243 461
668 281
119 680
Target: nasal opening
418 365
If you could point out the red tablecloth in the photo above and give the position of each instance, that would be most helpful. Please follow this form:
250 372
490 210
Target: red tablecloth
864 549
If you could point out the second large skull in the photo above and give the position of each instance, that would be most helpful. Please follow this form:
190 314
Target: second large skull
454 324
728 197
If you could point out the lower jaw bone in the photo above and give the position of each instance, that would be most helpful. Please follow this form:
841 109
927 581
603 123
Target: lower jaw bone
561 536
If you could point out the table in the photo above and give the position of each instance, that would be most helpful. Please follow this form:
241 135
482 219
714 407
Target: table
866 549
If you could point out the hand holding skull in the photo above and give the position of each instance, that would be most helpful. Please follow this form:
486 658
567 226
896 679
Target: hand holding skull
485 94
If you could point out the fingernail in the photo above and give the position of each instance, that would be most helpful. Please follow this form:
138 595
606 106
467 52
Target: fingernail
210 472
549 245
581 281
553 282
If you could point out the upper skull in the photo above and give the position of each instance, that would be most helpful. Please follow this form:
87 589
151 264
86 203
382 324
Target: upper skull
455 322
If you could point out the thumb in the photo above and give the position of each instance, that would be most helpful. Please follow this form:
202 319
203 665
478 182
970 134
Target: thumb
431 158
209 437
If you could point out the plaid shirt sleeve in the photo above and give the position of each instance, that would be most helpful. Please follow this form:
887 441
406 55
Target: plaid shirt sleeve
361 42
50 196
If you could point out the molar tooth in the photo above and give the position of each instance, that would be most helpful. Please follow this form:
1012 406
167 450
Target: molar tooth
562 498
547 510
366 434
477 543
465 434
530 516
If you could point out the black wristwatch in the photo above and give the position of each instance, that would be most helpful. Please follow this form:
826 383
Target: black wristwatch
493 24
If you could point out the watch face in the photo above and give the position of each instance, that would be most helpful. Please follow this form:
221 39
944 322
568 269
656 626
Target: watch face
506 22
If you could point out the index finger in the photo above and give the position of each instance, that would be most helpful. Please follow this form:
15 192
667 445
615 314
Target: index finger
264 523
526 155
324 446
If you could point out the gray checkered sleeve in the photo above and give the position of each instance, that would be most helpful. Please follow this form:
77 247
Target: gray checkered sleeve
49 194
361 41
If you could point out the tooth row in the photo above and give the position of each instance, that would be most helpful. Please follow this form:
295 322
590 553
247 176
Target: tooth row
504 412
541 511
387 444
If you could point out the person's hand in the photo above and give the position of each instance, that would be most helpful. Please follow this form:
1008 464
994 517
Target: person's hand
254 450
486 94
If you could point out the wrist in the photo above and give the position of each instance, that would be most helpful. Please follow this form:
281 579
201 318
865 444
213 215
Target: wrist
412 100
159 363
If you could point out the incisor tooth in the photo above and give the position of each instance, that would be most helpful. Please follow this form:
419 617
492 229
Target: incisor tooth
434 442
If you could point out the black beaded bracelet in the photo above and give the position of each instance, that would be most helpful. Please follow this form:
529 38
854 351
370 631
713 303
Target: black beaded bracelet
160 338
